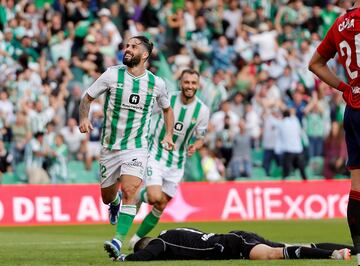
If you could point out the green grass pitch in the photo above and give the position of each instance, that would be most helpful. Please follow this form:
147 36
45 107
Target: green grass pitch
83 244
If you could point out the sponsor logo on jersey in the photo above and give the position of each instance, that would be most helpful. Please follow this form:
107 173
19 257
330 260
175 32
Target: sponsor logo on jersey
134 163
356 90
134 98
178 126
346 24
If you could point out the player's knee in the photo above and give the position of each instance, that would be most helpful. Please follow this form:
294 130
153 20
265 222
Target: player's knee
154 198
129 191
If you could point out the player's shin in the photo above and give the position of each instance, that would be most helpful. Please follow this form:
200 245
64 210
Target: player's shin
149 222
353 218
116 201
298 252
126 218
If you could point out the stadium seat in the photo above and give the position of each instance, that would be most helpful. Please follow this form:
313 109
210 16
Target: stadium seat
317 165
275 171
10 178
79 175
258 173
20 172
340 176
257 156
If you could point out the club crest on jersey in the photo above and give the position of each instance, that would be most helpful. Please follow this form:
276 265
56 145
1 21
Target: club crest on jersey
346 24
134 98
178 126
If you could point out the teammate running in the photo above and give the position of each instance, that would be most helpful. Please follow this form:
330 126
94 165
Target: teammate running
130 92
166 168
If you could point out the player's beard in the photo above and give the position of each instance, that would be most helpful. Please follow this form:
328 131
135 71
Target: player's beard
133 61
187 97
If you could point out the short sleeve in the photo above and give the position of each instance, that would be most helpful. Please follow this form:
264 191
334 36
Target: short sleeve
202 126
327 48
163 99
100 85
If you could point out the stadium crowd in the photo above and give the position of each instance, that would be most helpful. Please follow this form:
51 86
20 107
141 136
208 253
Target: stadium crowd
252 56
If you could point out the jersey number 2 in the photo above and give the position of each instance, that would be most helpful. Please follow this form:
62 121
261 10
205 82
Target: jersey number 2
344 45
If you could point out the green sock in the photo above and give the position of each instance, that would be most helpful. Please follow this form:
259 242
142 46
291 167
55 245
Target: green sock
116 201
126 218
143 195
149 222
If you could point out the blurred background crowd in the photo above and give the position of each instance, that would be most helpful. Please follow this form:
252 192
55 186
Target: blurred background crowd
271 118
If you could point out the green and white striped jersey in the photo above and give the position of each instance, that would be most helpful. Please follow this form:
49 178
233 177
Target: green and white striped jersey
128 106
189 120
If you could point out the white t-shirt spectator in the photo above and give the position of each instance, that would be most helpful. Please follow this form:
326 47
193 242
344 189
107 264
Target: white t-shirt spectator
7 108
110 30
266 42
290 135
217 120
234 19
253 123
72 138
270 134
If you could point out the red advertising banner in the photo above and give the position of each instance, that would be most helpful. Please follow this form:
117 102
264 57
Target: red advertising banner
80 204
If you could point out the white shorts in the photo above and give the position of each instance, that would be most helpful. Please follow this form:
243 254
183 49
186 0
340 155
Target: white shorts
114 163
167 178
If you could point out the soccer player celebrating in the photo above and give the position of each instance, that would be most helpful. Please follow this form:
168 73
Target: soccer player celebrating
130 92
344 38
166 168
192 244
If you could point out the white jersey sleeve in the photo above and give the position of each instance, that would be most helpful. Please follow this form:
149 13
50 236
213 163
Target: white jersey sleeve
101 85
162 99
202 126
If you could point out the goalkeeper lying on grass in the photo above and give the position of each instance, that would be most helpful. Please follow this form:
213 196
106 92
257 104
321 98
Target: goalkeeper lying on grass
192 244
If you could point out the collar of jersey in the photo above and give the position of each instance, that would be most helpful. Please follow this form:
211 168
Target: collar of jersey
138 77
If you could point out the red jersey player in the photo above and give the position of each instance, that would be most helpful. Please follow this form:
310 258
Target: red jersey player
344 38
